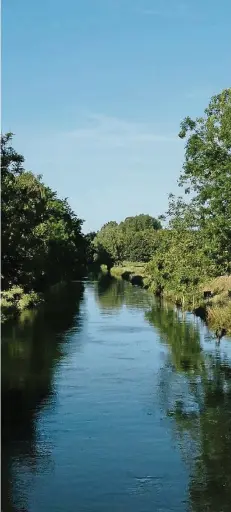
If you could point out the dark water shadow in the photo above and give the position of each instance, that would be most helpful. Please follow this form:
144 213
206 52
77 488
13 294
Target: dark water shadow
32 348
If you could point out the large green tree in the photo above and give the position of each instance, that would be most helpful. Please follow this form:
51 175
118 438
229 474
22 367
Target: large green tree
134 239
207 174
140 223
197 243
109 241
42 241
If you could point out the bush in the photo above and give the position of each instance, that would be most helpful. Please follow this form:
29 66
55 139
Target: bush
15 300
28 300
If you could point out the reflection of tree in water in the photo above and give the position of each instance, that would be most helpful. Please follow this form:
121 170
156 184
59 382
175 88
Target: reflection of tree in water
136 298
31 349
183 338
109 293
112 293
196 390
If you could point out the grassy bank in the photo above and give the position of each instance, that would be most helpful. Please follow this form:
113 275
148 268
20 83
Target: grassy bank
211 300
218 310
138 269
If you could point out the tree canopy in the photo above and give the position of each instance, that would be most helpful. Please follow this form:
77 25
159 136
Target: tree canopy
197 243
133 239
207 174
42 240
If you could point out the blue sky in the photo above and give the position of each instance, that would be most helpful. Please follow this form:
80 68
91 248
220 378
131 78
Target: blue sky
95 90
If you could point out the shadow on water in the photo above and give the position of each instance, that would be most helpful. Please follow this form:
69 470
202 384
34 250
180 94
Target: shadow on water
31 351
195 389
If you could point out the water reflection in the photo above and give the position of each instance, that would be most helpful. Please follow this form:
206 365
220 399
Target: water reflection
182 337
111 294
196 393
31 350
192 395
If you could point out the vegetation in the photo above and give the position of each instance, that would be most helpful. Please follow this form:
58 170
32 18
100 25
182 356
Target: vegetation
194 247
135 267
42 242
15 300
134 239
219 307
197 243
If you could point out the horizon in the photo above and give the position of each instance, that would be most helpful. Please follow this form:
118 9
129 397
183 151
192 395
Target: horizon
104 88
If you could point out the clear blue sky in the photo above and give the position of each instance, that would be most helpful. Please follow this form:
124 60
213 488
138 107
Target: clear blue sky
95 91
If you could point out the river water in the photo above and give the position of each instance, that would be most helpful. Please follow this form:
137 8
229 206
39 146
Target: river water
113 402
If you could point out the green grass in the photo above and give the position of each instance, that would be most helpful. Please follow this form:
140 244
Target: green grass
136 268
220 316
216 310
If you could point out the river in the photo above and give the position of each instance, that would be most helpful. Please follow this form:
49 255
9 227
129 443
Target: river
114 402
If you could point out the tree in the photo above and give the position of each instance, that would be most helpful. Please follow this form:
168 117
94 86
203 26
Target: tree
110 239
42 242
197 243
139 245
207 173
89 247
140 223
133 239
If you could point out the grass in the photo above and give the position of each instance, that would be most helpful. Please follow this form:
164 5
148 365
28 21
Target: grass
135 268
220 287
216 310
220 316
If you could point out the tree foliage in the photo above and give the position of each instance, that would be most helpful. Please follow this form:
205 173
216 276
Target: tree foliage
133 239
207 173
197 243
42 241
140 223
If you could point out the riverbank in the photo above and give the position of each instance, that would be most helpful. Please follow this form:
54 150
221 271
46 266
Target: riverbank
211 300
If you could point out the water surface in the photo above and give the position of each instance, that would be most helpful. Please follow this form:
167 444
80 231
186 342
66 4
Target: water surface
112 401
